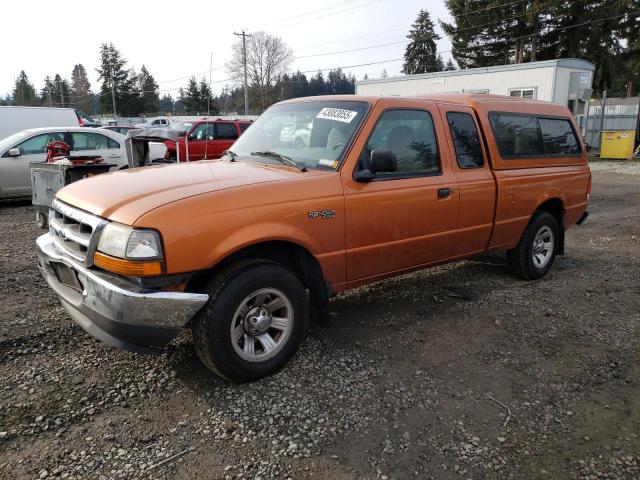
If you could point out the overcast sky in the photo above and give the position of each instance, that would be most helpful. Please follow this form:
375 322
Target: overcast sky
175 39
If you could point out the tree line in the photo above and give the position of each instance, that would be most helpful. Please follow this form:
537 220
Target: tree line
482 32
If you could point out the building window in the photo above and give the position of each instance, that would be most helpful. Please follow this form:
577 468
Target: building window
529 93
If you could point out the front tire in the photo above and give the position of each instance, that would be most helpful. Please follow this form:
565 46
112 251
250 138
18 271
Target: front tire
253 323
533 256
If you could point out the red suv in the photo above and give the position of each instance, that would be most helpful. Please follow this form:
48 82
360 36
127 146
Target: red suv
205 139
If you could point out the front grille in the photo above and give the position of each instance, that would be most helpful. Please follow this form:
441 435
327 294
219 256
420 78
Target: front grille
75 232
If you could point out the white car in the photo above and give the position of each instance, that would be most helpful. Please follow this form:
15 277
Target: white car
155 122
20 149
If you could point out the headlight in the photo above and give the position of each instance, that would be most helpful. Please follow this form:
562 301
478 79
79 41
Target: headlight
122 241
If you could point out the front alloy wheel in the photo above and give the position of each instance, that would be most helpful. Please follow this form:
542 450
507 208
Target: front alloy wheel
262 324
254 321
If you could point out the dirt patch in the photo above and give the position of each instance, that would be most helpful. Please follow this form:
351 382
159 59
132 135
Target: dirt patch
456 372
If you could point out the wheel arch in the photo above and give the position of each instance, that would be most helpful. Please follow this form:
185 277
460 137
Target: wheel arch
294 256
555 207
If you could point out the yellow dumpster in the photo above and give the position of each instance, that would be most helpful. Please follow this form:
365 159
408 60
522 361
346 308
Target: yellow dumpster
617 144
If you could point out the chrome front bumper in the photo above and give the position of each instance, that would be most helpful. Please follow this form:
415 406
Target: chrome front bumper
114 309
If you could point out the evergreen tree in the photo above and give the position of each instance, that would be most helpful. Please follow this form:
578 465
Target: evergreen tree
148 91
450 65
317 85
297 86
166 104
46 94
132 100
80 87
486 32
24 94
384 74
338 83
60 91
420 55
191 96
112 74
492 32
205 98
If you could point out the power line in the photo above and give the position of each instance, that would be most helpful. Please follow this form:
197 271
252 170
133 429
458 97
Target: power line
561 29
311 12
354 49
288 24
351 38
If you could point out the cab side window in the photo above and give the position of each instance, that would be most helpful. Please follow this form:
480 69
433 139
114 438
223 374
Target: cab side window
465 140
517 135
558 137
523 135
226 131
410 135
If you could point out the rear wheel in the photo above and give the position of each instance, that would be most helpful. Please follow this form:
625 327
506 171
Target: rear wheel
533 256
253 323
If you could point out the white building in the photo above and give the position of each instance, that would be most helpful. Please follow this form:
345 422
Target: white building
566 81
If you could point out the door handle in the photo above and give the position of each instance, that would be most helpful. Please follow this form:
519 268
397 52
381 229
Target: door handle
444 192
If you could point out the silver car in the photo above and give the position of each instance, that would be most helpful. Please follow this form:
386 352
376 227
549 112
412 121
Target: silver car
22 148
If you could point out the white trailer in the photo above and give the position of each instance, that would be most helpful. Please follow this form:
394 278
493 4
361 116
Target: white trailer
566 81
16 119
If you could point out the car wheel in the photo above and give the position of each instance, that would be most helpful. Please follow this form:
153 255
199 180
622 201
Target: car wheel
533 256
254 321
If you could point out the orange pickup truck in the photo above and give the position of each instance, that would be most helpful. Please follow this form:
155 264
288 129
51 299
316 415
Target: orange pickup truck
246 249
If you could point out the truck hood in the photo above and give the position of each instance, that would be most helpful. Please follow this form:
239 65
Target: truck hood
126 195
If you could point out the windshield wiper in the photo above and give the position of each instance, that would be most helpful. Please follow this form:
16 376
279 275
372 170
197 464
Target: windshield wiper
233 155
283 158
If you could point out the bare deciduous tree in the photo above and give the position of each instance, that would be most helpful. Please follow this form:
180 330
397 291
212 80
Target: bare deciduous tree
268 57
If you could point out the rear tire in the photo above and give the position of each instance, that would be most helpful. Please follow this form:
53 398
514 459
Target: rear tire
533 256
254 322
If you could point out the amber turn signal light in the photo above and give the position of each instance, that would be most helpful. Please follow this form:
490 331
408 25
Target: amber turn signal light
129 268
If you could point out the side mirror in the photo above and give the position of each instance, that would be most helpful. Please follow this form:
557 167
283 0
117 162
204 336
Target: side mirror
380 161
588 147
14 152
383 161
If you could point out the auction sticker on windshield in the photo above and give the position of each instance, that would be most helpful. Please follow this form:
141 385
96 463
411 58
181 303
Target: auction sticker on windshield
337 114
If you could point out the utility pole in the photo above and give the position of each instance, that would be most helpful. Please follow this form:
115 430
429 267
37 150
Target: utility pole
244 61
61 95
210 91
113 92
603 107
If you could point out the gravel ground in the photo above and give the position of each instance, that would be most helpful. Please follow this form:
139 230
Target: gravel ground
457 372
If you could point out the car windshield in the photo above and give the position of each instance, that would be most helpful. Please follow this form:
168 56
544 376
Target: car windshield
12 140
313 134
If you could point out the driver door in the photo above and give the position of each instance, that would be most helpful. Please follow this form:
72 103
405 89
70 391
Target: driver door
197 142
404 219
15 177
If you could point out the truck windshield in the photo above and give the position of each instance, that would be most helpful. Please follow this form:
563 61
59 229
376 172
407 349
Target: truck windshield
312 134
